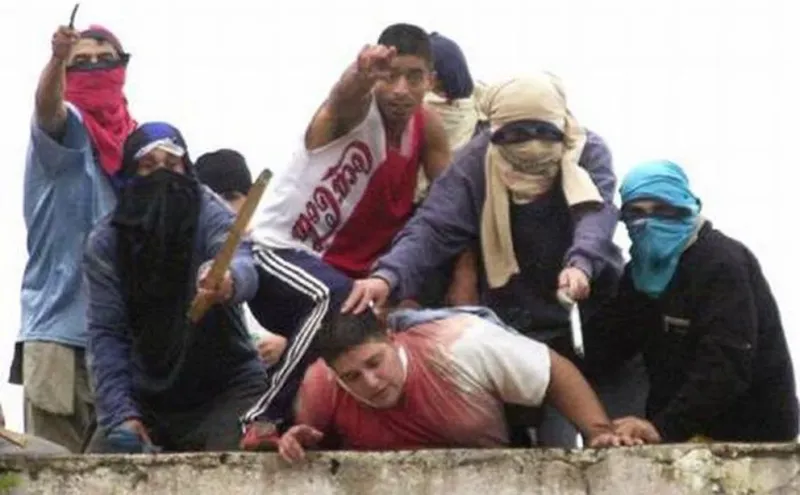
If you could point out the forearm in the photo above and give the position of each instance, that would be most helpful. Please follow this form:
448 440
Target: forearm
50 111
351 95
465 281
712 385
571 395
245 277
109 366
593 249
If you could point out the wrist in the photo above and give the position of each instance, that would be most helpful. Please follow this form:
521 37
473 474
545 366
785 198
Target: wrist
598 429
58 60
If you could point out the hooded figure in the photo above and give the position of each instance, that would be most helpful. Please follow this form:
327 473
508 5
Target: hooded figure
453 97
159 378
535 140
697 304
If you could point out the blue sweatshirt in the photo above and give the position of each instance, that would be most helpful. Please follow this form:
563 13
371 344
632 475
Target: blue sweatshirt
221 353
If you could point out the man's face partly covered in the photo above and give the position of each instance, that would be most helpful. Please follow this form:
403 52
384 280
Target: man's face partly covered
160 158
373 372
399 96
88 52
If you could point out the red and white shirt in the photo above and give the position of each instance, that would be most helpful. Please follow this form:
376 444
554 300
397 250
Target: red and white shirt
459 373
344 201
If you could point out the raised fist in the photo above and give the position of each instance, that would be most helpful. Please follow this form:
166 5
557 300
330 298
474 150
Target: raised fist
63 40
375 61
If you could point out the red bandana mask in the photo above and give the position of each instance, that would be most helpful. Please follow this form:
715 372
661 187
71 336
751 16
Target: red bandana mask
98 95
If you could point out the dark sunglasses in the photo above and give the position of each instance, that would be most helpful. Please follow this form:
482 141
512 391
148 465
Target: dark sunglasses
661 211
526 130
101 64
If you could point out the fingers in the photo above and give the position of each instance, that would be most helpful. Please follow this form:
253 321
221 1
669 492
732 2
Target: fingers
353 299
375 59
359 299
308 435
290 450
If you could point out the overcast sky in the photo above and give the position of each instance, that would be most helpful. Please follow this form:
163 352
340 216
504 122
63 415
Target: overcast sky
711 84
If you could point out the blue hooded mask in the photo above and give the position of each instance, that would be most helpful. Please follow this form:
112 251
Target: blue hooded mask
451 67
658 243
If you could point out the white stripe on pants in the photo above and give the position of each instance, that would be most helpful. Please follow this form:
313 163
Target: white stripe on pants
305 283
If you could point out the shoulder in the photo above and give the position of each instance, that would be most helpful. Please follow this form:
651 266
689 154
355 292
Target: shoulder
715 253
595 151
214 205
318 386
471 157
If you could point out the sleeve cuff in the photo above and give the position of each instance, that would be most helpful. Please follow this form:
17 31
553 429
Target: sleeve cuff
669 431
111 422
244 281
387 275
583 264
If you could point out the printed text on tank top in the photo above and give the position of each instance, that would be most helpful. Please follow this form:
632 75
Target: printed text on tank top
323 216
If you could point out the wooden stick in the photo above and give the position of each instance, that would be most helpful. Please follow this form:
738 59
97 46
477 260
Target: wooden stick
16 438
222 260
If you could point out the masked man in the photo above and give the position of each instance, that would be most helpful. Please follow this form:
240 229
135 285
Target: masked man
697 304
79 125
160 380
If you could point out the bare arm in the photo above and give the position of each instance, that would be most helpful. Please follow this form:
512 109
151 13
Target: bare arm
349 101
51 114
463 290
436 155
570 393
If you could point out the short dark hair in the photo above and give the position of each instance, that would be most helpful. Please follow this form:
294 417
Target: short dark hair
408 39
341 332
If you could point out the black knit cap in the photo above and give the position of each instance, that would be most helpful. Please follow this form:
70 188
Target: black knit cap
224 171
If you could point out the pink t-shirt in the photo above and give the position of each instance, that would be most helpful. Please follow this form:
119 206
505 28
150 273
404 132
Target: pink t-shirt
460 372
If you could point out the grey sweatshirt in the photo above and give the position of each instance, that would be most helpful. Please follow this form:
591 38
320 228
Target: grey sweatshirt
547 235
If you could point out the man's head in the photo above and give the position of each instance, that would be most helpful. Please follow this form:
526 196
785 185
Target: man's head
529 117
225 171
657 189
411 73
154 147
661 215
361 353
97 48
452 78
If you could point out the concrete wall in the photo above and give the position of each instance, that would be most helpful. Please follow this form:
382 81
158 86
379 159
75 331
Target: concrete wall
663 470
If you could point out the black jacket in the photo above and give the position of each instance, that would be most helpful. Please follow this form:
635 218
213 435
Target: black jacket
713 344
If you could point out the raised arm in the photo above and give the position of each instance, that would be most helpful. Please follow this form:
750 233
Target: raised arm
51 113
349 101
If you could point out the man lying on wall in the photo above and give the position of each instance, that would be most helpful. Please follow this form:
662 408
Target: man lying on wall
441 382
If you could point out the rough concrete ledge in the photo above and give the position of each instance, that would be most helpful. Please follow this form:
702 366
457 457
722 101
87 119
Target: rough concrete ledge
662 470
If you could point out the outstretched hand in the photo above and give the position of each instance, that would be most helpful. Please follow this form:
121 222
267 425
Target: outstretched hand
375 61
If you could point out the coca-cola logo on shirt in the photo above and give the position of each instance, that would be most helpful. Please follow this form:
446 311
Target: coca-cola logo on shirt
323 211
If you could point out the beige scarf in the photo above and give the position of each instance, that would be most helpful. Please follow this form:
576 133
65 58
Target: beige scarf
459 118
528 169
